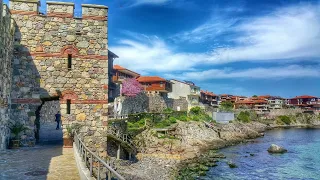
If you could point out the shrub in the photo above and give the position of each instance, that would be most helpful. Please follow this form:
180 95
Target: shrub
166 123
168 110
183 118
16 129
285 119
279 122
73 128
137 124
195 110
244 116
226 106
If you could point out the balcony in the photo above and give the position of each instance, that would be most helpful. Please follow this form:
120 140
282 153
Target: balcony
195 93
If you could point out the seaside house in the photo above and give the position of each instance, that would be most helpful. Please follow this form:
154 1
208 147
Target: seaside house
275 102
224 97
119 74
305 102
209 98
155 85
185 90
260 105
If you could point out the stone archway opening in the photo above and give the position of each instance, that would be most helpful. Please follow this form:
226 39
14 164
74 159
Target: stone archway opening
46 132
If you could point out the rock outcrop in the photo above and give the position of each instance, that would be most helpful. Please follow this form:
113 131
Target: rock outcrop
182 143
276 149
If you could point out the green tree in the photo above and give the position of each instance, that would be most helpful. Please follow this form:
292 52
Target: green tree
254 96
226 106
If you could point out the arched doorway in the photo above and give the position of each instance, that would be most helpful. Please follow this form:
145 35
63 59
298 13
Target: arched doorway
45 123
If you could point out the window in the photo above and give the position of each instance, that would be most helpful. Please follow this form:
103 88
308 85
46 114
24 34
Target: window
69 61
161 84
68 106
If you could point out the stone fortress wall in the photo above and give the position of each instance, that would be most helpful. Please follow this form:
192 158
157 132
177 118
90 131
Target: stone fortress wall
6 48
44 48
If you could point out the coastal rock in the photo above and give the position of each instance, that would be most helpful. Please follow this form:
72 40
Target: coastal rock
276 149
232 165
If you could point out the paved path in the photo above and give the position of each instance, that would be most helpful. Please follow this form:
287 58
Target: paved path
48 132
50 162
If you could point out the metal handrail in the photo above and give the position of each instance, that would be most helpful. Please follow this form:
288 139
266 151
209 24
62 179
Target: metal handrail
87 155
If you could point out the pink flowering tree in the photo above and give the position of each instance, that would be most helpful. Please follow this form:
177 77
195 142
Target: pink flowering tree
131 87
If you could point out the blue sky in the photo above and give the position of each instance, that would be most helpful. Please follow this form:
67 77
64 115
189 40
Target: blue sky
241 47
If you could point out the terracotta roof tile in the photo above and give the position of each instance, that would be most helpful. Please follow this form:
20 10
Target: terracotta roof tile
117 67
150 79
304 97
208 93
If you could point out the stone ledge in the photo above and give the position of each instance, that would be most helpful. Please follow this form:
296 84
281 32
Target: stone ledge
60 3
94 6
27 1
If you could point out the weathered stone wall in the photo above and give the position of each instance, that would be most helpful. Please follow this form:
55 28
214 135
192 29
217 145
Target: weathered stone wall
177 104
281 112
6 48
43 45
151 103
48 112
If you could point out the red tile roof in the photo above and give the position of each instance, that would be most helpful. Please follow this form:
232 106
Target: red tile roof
208 93
150 79
304 97
119 68
252 101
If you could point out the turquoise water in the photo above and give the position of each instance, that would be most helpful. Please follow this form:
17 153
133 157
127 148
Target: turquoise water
301 162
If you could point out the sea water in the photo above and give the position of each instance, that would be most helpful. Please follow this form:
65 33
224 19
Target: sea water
302 161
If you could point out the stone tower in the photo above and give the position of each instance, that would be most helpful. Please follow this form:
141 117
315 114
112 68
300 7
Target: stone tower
60 57
6 48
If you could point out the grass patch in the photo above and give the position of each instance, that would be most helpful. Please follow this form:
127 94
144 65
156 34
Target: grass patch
285 119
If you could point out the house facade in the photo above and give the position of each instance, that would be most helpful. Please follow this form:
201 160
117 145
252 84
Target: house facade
305 102
120 74
275 102
258 104
187 90
209 98
155 85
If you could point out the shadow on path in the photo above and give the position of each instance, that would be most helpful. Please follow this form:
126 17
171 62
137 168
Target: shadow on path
39 162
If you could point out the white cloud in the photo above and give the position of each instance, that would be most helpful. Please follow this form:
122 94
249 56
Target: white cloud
287 33
206 31
153 55
292 71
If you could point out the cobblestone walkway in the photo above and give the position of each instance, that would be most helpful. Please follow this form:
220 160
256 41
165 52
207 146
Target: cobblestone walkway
50 162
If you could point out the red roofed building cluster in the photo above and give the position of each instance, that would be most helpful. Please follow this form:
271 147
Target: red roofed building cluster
185 89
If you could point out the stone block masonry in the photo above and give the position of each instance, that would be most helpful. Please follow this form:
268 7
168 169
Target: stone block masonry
6 49
59 56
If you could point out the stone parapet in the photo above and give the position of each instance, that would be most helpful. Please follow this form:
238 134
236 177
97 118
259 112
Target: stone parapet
58 9
25 5
94 10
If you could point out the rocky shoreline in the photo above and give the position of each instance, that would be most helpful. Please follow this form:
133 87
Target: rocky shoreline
192 148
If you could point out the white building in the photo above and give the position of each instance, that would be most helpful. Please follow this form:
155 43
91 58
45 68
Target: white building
186 90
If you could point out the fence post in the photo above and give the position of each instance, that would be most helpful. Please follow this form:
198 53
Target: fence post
91 164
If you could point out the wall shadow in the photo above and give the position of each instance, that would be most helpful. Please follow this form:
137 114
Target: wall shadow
28 100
